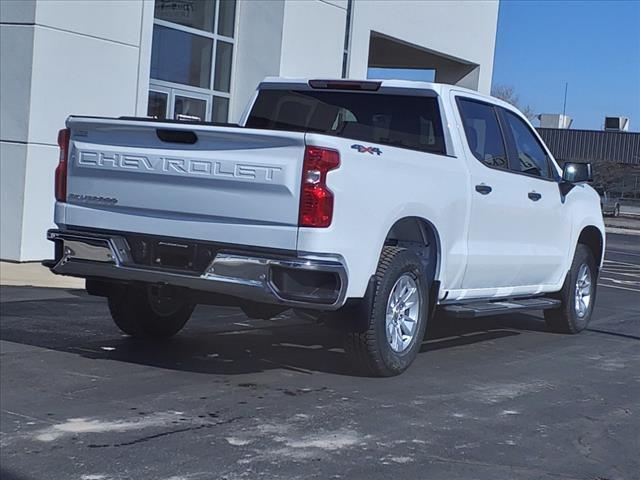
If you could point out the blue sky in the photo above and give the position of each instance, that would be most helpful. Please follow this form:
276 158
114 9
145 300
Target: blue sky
593 45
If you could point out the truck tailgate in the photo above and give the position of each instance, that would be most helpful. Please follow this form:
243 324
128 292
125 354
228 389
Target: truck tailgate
214 183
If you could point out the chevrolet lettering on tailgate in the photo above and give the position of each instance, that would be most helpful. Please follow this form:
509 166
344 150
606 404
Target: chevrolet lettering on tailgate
185 166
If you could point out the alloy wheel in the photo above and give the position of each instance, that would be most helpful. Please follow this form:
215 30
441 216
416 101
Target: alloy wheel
403 313
583 290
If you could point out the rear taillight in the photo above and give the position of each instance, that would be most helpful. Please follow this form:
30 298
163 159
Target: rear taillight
316 200
61 169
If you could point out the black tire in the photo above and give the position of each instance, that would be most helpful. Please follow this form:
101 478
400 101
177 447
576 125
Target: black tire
369 347
139 313
566 318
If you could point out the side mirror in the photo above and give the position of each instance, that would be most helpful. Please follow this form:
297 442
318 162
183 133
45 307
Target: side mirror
577 172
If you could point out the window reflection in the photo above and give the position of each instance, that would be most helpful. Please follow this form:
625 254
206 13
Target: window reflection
192 109
533 159
181 57
483 133
220 109
190 13
222 77
227 17
157 107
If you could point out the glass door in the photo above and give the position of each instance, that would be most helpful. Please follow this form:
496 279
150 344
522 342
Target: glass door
190 106
177 104
158 106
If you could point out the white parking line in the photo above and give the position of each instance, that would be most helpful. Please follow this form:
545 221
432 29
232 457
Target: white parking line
626 274
625 282
623 253
622 268
619 288
622 263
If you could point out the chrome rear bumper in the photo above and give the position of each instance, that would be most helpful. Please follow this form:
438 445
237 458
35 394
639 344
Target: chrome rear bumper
100 256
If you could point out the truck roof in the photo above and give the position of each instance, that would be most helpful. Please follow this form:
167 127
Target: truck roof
440 88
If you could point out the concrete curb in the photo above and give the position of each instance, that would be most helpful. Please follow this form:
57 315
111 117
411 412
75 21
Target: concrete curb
33 274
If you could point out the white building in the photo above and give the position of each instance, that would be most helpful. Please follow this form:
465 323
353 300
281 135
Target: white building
196 58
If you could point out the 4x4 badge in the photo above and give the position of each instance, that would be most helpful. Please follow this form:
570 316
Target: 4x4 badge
363 149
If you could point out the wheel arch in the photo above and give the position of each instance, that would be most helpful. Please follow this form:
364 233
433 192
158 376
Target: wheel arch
592 238
421 235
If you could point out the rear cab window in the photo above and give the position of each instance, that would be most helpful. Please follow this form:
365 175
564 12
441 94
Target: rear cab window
405 121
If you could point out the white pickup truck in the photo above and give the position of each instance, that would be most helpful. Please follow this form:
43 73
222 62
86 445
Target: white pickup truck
368 203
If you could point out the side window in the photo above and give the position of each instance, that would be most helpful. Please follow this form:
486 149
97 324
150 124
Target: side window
531 156
483 132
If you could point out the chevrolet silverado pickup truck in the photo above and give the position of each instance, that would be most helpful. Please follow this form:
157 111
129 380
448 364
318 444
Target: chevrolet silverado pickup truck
369 204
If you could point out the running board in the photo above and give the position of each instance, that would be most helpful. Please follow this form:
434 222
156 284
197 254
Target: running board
496 307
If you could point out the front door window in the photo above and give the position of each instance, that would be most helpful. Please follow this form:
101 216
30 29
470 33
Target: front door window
531 156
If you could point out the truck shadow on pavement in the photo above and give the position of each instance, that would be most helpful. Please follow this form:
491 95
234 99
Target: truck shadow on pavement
220 341
6 474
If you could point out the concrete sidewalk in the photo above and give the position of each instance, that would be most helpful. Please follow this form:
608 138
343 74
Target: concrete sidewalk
34 274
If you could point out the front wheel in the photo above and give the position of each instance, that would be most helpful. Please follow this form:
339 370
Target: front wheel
147 312
395 324
577 295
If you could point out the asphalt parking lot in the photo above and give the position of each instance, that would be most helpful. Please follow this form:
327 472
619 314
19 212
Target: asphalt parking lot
231 398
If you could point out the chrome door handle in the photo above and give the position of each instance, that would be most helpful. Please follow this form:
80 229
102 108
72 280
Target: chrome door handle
535 196
483 189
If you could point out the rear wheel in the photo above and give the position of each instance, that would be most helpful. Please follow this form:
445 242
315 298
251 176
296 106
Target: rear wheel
395 324
149 312
577 295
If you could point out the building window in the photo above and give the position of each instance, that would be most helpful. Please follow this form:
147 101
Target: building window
196 14
191 59
181 57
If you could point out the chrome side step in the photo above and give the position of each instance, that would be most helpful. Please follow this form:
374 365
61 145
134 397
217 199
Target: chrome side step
497 307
